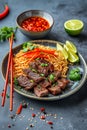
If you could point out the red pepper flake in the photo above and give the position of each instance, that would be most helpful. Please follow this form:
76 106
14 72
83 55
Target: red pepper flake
19 109
33 114
50 122
42 117
42 109
9 126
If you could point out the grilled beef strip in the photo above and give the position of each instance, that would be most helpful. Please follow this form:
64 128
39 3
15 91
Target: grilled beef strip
42 66
53 77
62 83
45 83
25 82
32 75
40 92
55 90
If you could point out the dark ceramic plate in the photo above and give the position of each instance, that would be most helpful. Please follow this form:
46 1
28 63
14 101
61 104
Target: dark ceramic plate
71 88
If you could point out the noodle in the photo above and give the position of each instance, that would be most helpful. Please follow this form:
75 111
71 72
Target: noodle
21 62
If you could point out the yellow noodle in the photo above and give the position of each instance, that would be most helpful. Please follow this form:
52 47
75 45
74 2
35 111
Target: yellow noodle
59 62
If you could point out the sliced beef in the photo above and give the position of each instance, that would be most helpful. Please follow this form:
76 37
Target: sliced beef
64 80
51 67
62 83
43 67
54 76
40 92
45 83
36 77
25 82
55 90
43 70
33 65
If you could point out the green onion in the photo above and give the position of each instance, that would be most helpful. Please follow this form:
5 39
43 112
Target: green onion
51 77
42 74
44 64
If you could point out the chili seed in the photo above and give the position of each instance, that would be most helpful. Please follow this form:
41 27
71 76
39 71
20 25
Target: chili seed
42 109
33 115
42 117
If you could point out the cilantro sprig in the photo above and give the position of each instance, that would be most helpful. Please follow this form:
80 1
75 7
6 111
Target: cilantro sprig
28 46
6 32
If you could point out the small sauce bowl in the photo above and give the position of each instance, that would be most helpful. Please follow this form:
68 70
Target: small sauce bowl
28 20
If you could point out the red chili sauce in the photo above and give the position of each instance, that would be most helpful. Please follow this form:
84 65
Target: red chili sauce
35 24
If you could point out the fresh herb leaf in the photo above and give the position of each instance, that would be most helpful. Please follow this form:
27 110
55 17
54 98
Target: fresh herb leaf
6 32
28 46
15 81
7 96
75 74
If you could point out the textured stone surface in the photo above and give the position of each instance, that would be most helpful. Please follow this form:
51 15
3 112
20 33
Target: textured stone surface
72 111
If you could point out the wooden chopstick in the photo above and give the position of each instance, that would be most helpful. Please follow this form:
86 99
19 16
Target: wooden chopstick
7 74
11 71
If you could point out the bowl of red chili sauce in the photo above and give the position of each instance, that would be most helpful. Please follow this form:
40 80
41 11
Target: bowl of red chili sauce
35 23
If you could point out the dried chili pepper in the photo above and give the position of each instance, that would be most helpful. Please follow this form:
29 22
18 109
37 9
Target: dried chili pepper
5 12
50 122
19 109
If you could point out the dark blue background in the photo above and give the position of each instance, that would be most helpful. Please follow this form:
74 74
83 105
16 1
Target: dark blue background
72 111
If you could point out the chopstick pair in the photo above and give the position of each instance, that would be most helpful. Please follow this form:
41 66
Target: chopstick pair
9 67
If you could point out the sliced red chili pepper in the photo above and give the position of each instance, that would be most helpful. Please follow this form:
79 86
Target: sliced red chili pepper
5 12
50 122
19 109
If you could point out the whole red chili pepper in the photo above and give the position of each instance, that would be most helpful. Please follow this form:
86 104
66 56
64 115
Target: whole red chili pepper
5 12
19 109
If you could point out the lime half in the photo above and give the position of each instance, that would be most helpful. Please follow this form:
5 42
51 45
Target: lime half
59 47
73 26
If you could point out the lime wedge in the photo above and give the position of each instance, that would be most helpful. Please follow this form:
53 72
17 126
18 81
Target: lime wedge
59 47
73 57
73 26
71 46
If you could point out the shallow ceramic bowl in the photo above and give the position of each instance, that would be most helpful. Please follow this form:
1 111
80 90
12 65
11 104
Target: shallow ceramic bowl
21 17
72 88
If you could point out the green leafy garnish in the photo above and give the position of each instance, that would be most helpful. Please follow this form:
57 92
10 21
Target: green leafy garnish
15 81
75 74
7 96
28 46
6 32
34 70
